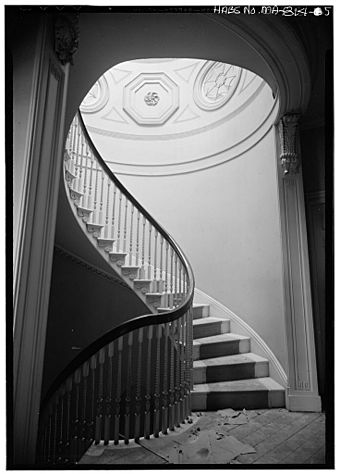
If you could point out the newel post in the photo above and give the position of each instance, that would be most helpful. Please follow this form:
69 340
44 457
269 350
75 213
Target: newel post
302 393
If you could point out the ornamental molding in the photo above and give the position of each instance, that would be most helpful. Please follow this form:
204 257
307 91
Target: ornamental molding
185 134
89 267
66 36
199 163
215 84
151 98
288 134
96 99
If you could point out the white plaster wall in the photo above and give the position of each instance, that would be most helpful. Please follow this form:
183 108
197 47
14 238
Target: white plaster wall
226 220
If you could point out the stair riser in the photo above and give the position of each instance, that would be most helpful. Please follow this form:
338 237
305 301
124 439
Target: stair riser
225 373
237 400
200 311
211 329
219 349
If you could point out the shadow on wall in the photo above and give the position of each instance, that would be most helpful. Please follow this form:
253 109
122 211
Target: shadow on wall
84 305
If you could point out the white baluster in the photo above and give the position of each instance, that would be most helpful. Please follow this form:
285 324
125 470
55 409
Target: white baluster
131 234
137 238
113 211
155 257
106 228
149 254
119 221
125 223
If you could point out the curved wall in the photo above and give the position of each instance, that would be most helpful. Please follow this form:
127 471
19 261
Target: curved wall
215 190
226 220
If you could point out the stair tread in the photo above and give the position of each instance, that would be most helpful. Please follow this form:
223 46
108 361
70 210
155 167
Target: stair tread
245 385
208 319
229 360
200 305
220 338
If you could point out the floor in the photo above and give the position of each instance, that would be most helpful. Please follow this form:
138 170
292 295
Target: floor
274 436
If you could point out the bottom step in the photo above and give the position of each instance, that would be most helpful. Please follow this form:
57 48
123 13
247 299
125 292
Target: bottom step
238 394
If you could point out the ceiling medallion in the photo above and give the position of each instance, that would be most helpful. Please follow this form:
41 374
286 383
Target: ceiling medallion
151 98
96 98
215 84
145 92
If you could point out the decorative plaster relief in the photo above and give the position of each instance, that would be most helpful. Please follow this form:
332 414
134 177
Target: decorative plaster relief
151 98
186 115
114 116
119 74
215 84
96 98
186 72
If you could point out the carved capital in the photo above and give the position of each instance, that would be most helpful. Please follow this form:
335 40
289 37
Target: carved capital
289 156
66 36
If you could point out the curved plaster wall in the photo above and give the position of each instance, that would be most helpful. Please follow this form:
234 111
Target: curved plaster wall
212 184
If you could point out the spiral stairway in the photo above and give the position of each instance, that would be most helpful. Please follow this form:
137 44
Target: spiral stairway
145 376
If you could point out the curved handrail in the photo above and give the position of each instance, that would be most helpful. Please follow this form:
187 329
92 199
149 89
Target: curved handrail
139 321
178 317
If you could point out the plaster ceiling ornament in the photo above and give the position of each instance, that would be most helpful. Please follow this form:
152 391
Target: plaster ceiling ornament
151 98
96 98
215 84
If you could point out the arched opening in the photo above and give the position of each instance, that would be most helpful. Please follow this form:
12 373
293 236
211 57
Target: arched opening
259 44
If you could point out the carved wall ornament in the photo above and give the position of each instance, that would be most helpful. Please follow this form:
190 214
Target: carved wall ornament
66 36
215 84
151 98
288 133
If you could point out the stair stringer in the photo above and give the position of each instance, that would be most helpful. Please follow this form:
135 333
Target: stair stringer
116 270
237 325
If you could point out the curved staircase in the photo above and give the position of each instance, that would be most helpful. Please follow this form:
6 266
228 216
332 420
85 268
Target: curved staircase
226 373
146 375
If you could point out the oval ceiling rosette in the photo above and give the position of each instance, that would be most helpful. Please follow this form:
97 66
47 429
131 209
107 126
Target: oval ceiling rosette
215 84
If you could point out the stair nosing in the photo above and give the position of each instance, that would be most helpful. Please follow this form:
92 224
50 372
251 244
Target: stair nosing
244 383
224 337
200 363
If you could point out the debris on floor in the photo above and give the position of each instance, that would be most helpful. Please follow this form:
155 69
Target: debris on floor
198 446
232 417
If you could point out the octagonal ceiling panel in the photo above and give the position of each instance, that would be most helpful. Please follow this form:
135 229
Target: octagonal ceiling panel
169 116
151 99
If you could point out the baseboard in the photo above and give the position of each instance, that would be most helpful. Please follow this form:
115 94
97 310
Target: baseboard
303 401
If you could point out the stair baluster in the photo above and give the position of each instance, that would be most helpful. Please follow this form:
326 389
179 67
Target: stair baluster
125 223
137 242
143 269
165 411
172 378
113 213
149 252
118 392
128 389
106 227
131 235
148 385
119 221
138 406
156 411
109 394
